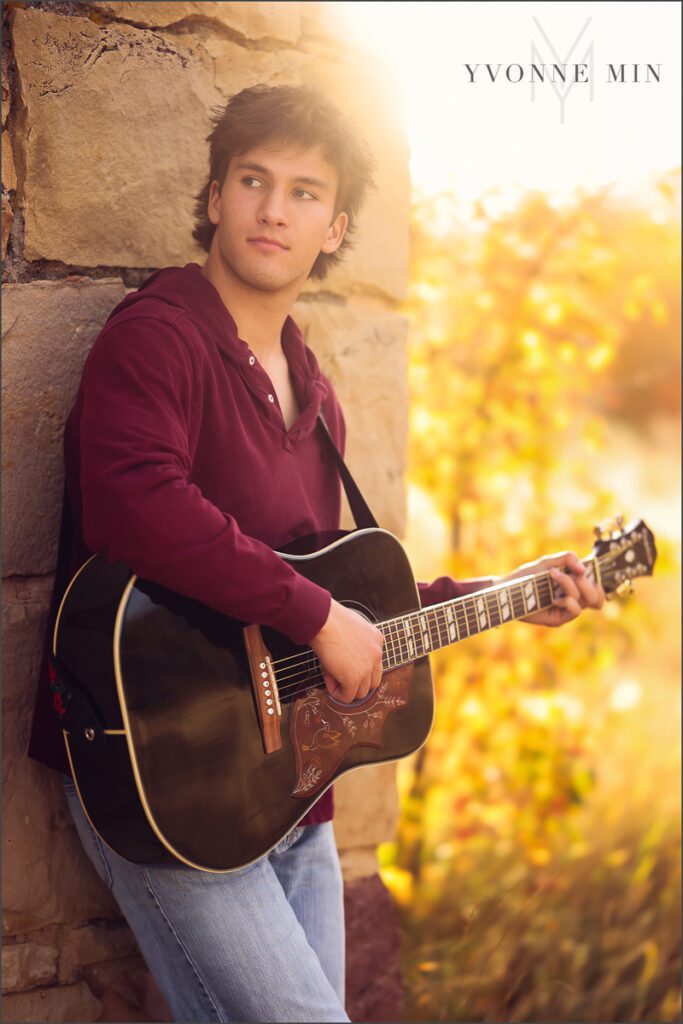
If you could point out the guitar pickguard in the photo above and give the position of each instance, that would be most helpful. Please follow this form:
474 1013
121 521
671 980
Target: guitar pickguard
323 731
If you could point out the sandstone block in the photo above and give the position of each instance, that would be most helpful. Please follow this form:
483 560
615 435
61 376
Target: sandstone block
366 803
26 965
118 119
5 93
9 173
255 21
48 328
365 355
62 1003
91 944
128 991
7 218
114 121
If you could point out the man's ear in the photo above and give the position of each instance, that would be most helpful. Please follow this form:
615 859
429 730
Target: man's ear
335 233
213 207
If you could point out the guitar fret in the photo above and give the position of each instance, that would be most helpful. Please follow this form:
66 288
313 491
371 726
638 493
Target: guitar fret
424 633
451 623
410 639
471 615
519 607
395 653
463 625
545 591
433 624
440 617
483 620
417 636
492 607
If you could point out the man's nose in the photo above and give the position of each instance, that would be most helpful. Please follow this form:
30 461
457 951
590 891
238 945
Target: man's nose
273 208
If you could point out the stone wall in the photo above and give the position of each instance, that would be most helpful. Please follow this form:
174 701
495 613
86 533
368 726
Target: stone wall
104 116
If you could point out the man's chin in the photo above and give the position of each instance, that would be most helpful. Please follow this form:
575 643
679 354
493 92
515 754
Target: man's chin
265 281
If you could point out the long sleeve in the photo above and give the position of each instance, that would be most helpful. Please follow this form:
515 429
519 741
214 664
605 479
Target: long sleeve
445 588
139 418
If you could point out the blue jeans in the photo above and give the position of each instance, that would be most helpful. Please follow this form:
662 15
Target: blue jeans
264 943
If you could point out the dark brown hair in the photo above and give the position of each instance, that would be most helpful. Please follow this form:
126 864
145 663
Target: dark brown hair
288 114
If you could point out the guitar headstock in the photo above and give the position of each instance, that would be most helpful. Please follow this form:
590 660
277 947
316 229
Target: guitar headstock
623 553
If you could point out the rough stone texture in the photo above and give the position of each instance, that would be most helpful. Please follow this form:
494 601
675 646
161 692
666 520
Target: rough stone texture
48 328
86 196
132 994
366 802
116 150
9 173
46 874
92 944
365 355
27 964
5 92
252 21
374 990
62 1003
127 991
7 219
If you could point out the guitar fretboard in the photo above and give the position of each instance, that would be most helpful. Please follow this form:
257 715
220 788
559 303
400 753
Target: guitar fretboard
416 634
412 636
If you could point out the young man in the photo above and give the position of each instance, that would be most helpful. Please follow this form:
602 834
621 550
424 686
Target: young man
192 452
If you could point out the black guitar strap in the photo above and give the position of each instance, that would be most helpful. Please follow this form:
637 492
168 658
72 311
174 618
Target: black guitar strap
360 510
71 702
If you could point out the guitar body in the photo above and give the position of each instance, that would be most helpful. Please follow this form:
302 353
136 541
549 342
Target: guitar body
181 772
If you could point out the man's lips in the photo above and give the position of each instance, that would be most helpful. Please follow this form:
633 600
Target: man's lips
266 243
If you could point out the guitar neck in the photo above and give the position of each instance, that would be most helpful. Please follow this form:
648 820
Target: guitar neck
412 636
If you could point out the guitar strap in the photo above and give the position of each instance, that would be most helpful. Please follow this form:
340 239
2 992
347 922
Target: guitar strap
360 510
70 701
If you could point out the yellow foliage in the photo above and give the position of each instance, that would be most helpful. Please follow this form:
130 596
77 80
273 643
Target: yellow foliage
537 863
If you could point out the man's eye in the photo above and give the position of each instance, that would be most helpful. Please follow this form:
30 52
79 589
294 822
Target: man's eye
302 193
250 181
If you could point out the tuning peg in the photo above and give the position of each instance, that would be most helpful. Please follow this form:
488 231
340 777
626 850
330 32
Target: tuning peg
620 523
597 530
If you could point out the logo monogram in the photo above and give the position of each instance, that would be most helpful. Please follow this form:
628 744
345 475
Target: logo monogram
566 87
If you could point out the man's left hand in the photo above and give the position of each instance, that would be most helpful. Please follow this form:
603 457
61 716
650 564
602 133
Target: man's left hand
578 591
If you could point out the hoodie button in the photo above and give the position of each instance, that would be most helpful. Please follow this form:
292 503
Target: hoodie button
271 398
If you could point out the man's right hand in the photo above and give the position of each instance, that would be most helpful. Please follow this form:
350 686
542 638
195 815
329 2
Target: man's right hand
350 651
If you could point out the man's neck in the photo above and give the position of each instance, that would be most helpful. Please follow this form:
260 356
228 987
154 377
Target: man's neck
259 316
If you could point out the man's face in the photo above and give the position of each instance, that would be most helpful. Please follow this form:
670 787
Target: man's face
275 215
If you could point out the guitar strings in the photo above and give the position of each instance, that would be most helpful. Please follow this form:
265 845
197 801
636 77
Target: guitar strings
308 659
305 664
397 650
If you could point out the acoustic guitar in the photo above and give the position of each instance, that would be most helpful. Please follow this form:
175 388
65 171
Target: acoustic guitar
207 739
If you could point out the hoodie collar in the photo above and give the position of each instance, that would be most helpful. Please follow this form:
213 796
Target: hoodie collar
189 288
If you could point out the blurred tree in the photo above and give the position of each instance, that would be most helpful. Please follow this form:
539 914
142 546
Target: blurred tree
531 327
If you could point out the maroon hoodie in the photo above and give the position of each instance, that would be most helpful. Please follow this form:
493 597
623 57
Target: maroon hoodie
178 463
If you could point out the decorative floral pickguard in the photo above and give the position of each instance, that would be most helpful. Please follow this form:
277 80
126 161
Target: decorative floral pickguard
322 731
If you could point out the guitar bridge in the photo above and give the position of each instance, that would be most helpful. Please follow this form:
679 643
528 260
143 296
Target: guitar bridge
265 688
